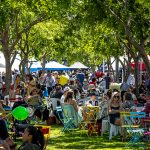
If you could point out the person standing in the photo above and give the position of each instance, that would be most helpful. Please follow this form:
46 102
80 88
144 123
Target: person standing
131 80
50 82
80 76
107 80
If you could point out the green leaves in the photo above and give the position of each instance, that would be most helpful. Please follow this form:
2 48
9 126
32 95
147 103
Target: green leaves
76 30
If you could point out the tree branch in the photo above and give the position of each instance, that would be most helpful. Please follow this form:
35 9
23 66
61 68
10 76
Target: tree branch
13 58
116 16
25 29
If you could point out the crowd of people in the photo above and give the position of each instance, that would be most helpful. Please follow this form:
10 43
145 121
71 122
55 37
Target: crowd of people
69 88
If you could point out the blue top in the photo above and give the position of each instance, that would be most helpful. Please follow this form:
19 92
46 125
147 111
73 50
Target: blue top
80 77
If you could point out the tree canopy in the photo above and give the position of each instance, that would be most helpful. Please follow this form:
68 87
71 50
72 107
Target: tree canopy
74 30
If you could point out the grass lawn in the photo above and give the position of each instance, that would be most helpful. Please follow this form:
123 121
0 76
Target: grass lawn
76 140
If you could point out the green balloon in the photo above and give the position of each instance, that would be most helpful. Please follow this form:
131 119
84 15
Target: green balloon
20 113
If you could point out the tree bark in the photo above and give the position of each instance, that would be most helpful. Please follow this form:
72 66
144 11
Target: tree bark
108 64
123 70
145 60
8 76
22 68
117 68
43 62
139 48
136 74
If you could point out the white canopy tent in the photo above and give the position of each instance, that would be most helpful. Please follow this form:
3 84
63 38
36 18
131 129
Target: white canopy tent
35 66
52 65
78 65
2 64
15 65
2 67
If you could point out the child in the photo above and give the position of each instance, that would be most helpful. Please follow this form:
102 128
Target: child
32 139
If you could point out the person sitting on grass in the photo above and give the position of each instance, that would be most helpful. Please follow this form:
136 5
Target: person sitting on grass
33 139
6 142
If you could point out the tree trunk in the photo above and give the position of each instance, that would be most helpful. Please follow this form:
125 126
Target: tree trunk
145 60
139 48
27 66
117 68
8 77
93 69
109 64
136 74
123 69
142 54
111 69
22 68
43 61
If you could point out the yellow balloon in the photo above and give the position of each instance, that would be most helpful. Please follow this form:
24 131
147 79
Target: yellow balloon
63 80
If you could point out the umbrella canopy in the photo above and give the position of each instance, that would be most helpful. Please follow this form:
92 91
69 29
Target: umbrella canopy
34 67
78 65
55 66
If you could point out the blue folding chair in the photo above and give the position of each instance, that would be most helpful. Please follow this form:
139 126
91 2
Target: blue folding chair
59 112
132 122
70 119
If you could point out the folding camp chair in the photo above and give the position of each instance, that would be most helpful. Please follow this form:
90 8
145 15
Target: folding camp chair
132 122
59 113
90 118
105 120
146 122
70 119
46 130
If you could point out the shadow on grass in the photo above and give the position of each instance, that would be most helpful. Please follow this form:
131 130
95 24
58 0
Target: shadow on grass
75 140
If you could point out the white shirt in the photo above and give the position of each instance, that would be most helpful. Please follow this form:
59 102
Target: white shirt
131 80
50 81
62 99
13 79
93 103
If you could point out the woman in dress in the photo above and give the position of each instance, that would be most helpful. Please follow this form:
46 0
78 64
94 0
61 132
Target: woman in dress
115 107
69 99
